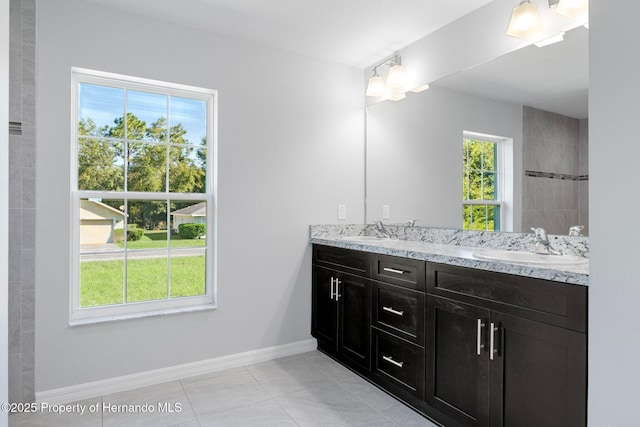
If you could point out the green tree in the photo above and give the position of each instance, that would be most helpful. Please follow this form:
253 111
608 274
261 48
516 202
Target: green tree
100 162
479 183
147 158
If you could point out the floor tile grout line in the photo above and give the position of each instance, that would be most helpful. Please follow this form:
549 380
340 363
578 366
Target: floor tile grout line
186 395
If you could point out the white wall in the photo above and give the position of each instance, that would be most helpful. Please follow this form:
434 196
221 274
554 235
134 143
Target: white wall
289 152
4 207
414 154
614 206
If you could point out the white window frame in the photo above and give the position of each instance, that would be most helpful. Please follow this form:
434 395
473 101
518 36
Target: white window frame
505 178
84 315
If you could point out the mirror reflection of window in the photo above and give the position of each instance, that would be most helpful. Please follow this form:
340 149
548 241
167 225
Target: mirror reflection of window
482 182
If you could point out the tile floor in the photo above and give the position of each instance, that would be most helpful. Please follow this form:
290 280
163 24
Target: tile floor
308 389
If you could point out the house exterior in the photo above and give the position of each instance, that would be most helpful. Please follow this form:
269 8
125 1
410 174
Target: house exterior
194 214
98 222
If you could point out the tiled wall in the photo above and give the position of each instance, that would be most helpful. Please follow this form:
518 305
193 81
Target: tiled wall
22 206
555 184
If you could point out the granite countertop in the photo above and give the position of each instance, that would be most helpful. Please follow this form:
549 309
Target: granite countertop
456 247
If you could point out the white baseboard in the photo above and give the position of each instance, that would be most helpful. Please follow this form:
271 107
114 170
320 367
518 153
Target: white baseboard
173 373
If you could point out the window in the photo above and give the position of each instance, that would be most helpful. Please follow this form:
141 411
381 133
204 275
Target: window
143 197
483 182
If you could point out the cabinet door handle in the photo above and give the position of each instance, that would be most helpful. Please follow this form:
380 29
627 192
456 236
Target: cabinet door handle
332 292
393 270
492 344
391 310
338 282
479 345
393 362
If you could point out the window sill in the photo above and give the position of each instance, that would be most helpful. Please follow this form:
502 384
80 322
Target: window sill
139 315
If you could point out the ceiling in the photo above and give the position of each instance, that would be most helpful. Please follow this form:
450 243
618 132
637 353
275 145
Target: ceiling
360 33
352 32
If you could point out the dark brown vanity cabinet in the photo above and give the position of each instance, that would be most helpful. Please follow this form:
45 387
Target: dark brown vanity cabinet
504 350
463 346
398 325
341 314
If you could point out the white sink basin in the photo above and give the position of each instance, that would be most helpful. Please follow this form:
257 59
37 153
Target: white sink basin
528 258
364 239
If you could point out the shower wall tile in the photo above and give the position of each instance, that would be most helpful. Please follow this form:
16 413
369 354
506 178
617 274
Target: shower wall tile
15 377
28 317
28 154
28 228
15 315
15 172
28 269
28 351
28 382
552 145
22 202
15 62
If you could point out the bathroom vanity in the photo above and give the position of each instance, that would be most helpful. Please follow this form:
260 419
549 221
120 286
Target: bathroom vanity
463 341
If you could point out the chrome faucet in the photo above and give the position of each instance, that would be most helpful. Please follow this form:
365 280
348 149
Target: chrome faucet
541 244
412 223
381 230
576 230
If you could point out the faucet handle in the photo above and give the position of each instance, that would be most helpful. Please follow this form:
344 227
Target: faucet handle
576 230
540 233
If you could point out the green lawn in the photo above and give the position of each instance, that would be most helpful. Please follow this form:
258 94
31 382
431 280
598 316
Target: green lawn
158 239
101 282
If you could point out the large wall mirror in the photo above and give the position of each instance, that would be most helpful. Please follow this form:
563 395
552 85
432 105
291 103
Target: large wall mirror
534 100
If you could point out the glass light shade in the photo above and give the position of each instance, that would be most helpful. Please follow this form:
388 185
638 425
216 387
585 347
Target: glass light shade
397 77
525 21
572 8
376 86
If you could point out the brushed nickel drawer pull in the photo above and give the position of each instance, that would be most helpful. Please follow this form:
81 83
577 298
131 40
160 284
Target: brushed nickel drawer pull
479 345
492 349
393 270
393 362
391 310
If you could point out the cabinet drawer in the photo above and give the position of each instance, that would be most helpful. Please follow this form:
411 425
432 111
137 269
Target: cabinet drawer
354 262
399 311
409 273
399 362
546 301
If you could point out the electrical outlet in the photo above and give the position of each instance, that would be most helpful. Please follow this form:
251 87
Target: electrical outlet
342 211
385 212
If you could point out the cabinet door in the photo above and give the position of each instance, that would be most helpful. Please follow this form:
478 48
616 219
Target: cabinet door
538 375
324 323
457 360
354 303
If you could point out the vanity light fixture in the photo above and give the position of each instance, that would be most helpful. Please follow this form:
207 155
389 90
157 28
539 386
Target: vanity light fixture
572 8
376 85
525 20
396 84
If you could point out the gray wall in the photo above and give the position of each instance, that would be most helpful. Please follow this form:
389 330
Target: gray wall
289 152
414 154
22 206
4 207
553 145
614 206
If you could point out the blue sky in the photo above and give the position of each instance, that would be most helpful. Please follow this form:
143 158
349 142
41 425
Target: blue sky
104 104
